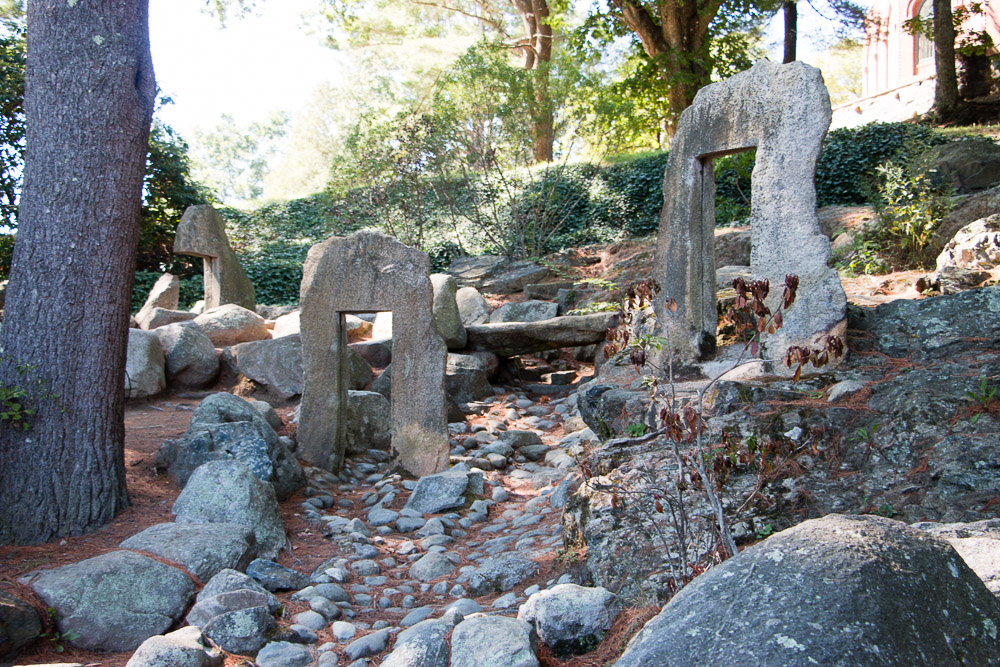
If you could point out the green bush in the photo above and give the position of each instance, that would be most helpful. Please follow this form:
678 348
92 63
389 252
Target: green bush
732 188
845 174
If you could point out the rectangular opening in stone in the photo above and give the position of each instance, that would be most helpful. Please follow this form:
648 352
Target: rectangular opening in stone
733 182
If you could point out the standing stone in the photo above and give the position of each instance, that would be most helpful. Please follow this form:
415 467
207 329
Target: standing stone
202 233
371 272
144 368
446 316
783 111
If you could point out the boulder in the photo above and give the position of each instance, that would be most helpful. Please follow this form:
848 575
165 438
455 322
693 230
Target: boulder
189 354
274 577
367 422
231 324
441 491
472 270
274 312
115 601
276 364
732 246
525 311
510 339
382 326
466 378
377 352
208 608
978 543
202 232
241 630
286 325
164 294
203 550
965 210
431 566
180 648
423 645
513 277
230 580
265 410
472 307
895 596
500 574
228 492
19 626
447 318
966 165
608 410
226 427
357 328
154 318
975 246
493 641
284 654
570 619
144 368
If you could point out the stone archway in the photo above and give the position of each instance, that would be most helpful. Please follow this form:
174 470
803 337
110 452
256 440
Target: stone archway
367 272
784 112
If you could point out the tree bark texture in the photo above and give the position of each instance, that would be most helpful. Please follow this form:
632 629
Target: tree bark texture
674 33
537 50
790 12
946 85
88 103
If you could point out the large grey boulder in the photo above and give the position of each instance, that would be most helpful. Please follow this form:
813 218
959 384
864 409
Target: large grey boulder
493 641
975 246
447 318
231 324
276 364
570 619
513 277
525 311
226 427
19 626
966 165
423 645
467 378
472 307
472 270
500 574
510 339
202 232
204 550
841 590
367 421
115 601
285 325
441 491
228 492
180 648
189 354
144 367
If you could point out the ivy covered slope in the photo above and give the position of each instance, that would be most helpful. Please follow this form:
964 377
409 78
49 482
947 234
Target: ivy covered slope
586 203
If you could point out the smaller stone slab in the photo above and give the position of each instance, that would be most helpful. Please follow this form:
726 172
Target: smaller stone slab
204 550
444 490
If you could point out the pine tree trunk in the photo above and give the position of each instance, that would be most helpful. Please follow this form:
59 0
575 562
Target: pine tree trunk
946 86
88 104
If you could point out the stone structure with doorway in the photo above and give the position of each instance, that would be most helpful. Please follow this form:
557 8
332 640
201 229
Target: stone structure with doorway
783 111
202 233
369 272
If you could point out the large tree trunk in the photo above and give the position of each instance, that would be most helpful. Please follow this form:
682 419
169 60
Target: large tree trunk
946 86
537 51
790 12
88 103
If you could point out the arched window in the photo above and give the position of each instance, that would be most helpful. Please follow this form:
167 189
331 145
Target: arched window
925 45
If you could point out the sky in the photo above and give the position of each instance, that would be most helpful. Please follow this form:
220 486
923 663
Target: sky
249 69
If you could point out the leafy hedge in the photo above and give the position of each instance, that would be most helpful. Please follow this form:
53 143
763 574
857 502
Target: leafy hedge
594 203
